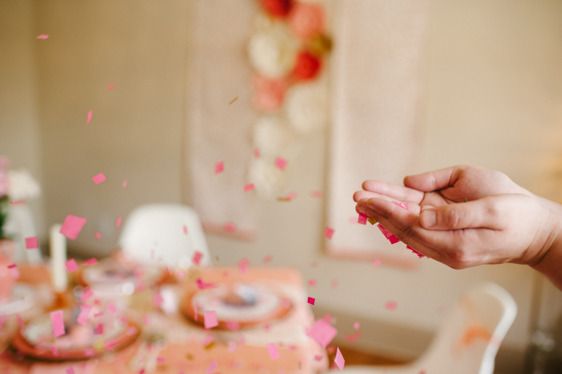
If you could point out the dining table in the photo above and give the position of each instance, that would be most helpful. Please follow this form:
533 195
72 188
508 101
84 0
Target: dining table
172 341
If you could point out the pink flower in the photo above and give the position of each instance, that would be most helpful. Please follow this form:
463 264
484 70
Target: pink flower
268 93
307 20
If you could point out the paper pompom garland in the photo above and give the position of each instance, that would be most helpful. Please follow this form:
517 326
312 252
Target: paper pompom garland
287 53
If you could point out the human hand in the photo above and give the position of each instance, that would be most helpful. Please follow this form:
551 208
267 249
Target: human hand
464 216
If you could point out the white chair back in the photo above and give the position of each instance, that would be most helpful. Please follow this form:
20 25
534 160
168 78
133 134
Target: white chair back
467 341
166 234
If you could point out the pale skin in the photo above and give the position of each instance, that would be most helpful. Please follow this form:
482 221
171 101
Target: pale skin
465 216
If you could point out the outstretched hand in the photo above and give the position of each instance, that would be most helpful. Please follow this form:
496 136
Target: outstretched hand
464 216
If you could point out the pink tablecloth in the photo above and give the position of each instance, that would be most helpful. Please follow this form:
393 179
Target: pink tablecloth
190 349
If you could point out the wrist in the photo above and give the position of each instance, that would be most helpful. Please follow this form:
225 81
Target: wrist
550 261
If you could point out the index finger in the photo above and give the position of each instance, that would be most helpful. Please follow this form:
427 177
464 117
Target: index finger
433 180
393 191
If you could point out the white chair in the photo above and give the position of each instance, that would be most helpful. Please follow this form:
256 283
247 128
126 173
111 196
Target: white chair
462 345
166 234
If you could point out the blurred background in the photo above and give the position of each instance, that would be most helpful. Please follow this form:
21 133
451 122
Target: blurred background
489 93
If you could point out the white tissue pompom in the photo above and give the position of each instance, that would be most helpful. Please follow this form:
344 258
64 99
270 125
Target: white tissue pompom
267 178
307 107
22 186
272 51
271 136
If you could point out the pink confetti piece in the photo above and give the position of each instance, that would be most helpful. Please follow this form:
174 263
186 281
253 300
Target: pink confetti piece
230 227
312 282
311 300
184 229
210 319
356 325
391 305
71 265
322 332
196 259
362 219
98 235
31 242
99 178
249 187
13 269
273 351
57 323
257 153
316 194
43 36
72 226
328 232
202 285
415 252
393 239
280 163
98 329
90 262
219 167
118 222
243 265
89 117
339 360
376 262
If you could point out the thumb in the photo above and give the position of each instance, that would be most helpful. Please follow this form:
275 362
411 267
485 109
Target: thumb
472 214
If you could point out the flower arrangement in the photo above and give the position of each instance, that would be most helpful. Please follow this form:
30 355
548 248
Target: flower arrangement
15 187
287 53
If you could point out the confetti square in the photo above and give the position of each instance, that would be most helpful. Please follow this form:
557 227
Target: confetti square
281 163
57 323
197 256
43 36
328 232
31 242
322 332
72 226
219 167
393 239
339 360
391 305
249 187
89 117
71 265
210 319
311 300
99 178
362 219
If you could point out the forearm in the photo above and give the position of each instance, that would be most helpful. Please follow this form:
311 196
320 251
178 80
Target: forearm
551 263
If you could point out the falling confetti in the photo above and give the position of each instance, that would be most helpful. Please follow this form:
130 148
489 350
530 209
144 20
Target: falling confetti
210 319
72 226
339 360
311 300
71 265
328 233
280 163
393 239
391 305
99 178
31 242
43 36
362 219
322 332
249 187
89 117
219 167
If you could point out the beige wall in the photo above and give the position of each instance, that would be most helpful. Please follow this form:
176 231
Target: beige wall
20 136
493 77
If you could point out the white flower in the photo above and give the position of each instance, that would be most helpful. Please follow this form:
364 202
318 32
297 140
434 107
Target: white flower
267 178
22 186
272 50
307 107
272 136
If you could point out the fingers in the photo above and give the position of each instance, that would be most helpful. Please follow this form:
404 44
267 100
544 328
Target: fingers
366 195
404 224
482 213
433 180
393 191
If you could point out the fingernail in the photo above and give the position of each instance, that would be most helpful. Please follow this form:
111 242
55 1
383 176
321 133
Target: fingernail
428 216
